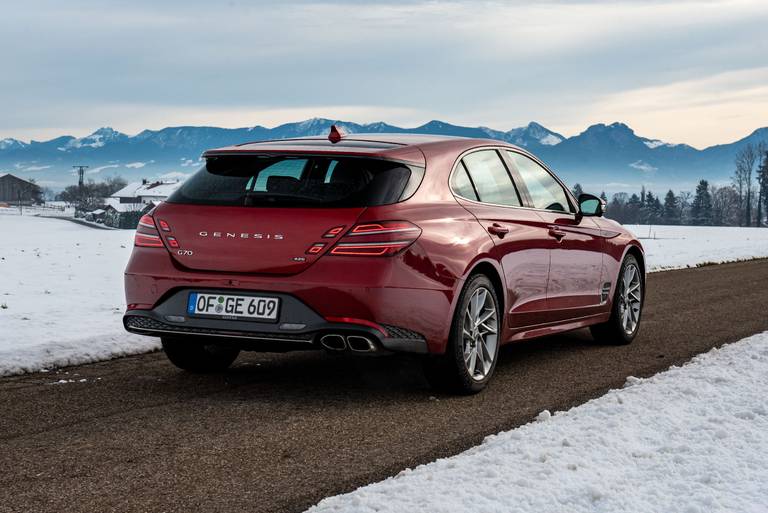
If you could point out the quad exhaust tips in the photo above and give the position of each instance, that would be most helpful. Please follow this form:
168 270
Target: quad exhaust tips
355 343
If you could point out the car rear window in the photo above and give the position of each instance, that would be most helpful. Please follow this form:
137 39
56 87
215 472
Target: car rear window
306 181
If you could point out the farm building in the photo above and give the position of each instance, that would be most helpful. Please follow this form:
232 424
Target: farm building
14 190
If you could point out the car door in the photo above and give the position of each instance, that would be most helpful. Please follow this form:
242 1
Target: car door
483 184
575 242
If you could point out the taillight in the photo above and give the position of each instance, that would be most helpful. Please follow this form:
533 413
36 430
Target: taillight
380 238
147 235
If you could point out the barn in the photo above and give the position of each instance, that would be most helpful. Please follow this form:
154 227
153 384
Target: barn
14 190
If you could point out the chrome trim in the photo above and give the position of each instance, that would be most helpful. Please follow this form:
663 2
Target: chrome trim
377 232
382 243
331 347
521 152
370 346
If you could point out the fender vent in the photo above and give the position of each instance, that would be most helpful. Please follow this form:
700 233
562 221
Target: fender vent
605 292
404 333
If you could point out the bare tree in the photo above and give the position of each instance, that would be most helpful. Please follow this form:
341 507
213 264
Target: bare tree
725 206
762 181
746 161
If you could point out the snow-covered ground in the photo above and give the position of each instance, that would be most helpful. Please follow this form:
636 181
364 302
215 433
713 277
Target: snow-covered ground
693 439
61 285
673 247
61 294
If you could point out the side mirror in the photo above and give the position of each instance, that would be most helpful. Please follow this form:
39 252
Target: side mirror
591 206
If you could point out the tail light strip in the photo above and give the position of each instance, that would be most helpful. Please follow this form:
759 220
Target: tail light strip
377 238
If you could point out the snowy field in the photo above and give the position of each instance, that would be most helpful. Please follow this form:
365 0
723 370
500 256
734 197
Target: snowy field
673 247
61 284
61 294
693 439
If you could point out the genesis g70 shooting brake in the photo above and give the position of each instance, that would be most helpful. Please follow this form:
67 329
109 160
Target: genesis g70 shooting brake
443 247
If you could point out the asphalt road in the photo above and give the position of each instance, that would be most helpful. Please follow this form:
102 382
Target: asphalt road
279 432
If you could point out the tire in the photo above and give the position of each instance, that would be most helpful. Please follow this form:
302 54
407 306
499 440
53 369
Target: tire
456 371
615 331
198 357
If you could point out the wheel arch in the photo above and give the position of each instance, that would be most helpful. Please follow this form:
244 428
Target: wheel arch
494 274
639 255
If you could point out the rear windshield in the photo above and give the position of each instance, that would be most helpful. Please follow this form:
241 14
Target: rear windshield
307 181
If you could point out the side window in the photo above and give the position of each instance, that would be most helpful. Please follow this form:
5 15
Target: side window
491 179
546 192
288 167
461 185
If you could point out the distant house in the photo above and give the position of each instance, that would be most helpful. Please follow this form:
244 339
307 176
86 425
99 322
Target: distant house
122 215
145 192
14 190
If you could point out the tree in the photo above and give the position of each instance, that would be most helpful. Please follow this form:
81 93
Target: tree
91 194
577 190
603 197
762 192
746 159
725 206
701 208
684 200
671 209
650 211
617 210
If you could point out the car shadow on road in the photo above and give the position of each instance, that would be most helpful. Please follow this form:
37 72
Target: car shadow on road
350 378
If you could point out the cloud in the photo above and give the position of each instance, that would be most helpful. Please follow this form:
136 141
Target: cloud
500 64
136 165
643 166
97 170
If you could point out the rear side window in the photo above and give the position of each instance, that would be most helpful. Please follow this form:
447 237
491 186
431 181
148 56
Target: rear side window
461 184
491 178
546 192
311 181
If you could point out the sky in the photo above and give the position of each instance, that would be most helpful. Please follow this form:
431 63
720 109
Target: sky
692 72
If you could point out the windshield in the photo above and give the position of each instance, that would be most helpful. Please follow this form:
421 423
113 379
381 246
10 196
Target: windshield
306 181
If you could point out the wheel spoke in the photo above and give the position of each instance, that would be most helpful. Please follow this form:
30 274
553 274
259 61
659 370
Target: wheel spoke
487 316
472 361
488 329
480 362
480 324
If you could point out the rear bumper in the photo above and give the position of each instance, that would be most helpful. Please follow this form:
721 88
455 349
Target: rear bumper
298 327
394 292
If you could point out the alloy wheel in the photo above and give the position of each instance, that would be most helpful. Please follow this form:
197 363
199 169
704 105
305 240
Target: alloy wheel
630 298
480 334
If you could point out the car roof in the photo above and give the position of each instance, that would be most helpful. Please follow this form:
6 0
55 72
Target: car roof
404 147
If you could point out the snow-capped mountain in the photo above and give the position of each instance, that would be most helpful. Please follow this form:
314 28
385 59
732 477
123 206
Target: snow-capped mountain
604 156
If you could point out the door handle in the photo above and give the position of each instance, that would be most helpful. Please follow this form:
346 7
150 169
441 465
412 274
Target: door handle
498 230
557 233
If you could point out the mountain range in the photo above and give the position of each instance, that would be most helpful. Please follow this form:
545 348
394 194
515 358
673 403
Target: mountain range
602 157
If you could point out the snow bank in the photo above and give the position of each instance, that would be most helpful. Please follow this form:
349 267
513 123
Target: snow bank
61 294
674 247
691 439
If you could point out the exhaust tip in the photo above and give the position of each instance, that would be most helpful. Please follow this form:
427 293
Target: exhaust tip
361 344
333 342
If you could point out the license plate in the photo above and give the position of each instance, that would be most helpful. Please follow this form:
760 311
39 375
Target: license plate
225 306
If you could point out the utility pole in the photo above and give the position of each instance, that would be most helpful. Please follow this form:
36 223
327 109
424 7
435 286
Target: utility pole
80 175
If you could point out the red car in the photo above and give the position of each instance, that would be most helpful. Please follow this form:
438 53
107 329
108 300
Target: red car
444 247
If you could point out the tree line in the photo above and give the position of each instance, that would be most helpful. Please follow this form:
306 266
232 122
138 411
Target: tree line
91 194
743 202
